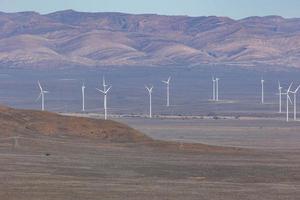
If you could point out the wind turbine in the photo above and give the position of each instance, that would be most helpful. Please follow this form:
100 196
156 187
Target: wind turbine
295 102
288 98
42 95
168 90
83 96
150 100
262 91
217 89
104 92
280 97
214 88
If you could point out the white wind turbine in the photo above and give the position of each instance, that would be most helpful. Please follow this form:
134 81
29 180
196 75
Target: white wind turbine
42 95
104 92
217 89
295 102
280 97
167 82
288 99
214 88
262 91
150 89
83 96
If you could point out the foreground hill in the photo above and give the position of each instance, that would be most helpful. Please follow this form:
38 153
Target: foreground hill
70 38
27 122
35 124
61 166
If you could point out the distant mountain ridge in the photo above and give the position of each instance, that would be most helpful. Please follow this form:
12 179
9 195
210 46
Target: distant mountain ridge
70 38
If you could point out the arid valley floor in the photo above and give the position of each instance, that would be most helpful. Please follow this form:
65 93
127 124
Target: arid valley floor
261 161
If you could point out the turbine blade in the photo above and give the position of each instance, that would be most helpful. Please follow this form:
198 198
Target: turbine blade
289 87
297 89
279 86
100 91
108 89
40 86
290 100
38 98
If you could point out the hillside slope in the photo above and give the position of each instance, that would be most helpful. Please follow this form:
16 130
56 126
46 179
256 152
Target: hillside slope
14 122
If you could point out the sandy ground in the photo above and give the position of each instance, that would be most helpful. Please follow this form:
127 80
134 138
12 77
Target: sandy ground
51 167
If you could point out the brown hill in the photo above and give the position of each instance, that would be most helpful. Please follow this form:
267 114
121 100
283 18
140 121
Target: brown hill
32 124
70 38
27 122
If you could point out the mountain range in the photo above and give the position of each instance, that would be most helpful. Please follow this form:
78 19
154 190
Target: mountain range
77 39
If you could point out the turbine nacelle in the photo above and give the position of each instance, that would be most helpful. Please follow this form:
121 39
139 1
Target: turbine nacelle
104 91
167 81
149 89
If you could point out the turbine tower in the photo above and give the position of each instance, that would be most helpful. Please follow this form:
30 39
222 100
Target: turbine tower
42 95
288 99
217 89
83 96
104 92
262 91
214 88
280 97
167 82
149 89
295 102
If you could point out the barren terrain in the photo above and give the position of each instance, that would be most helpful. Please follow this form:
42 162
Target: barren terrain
66 166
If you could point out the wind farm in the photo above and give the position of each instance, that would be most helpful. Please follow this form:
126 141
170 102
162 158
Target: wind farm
162 105
190 101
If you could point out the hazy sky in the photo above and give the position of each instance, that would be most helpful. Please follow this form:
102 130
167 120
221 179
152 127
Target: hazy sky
231 8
